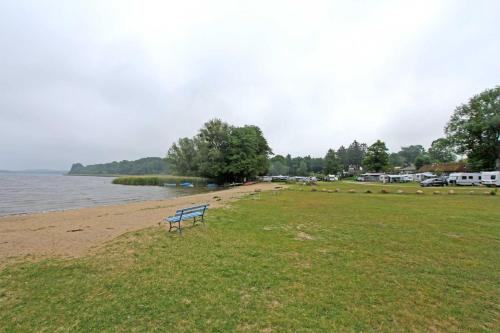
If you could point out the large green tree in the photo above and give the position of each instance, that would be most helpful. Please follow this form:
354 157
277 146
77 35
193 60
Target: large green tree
212 143
440 151
474 130
355 154
410 153
222 152
422 160
332 165
377 158
342 157
182 156
247 155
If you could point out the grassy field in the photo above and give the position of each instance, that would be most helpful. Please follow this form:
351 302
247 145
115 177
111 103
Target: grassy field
299 261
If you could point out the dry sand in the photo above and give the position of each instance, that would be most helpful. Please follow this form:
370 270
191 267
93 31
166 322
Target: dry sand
74 233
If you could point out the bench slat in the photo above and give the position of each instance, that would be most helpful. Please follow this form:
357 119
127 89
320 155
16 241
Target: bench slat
188 213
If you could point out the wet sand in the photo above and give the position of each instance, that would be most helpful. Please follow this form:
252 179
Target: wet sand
75 233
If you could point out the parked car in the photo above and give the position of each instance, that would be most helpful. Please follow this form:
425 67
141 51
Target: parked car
433 182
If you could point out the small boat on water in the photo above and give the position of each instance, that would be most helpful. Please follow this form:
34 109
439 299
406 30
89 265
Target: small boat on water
186 184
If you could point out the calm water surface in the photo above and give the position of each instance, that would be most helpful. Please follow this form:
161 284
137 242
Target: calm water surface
28 193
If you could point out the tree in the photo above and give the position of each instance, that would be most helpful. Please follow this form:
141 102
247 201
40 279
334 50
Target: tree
248 154
395 160
182 157
212 145
342 157
474 130
332 164
302 169
377 158
441 151
422 160
317 165
278 168
410 153
355 154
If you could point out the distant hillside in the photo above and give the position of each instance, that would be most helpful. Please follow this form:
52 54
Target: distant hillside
143 166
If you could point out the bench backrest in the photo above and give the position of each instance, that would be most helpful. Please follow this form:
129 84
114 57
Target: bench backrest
187 210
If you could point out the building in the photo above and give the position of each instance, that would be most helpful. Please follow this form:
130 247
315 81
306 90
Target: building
443 168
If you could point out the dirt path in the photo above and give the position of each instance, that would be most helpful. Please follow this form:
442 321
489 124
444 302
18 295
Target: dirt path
74 233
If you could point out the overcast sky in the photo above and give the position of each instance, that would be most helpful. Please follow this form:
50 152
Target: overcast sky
97 81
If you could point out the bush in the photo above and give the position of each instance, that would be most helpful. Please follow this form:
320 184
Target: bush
368 191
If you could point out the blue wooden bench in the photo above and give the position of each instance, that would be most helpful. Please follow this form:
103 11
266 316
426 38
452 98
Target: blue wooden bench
196 213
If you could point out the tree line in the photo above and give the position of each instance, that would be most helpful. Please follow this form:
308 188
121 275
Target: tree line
359 156
473 132
143 166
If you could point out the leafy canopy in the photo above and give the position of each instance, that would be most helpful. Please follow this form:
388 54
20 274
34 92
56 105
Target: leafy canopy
377 158
474 130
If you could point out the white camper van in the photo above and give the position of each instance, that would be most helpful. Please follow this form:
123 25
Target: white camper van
464 178
490 178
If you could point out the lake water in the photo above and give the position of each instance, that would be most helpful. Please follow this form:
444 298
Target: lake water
28 193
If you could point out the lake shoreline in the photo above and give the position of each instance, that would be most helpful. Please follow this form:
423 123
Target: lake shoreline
77 232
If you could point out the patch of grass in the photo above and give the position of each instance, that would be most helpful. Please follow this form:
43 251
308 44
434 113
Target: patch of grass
297 261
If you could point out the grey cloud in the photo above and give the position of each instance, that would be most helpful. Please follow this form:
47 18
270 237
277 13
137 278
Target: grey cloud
100 81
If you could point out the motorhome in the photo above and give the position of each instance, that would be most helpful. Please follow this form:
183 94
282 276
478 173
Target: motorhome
395 178
331 178
464 178
418 177
490 178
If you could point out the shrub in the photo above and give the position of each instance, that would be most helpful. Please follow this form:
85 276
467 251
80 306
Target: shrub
493 192
368 191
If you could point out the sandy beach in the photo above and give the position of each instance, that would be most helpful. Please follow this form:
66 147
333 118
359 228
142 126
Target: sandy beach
74 233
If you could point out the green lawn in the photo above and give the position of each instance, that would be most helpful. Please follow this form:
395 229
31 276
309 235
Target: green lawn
298 261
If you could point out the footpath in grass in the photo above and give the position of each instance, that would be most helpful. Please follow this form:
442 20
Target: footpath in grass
296 261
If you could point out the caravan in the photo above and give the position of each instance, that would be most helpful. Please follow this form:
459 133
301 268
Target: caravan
464 178
490 178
